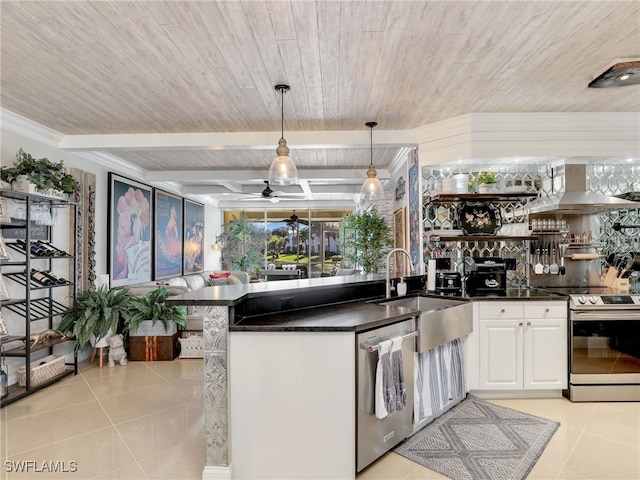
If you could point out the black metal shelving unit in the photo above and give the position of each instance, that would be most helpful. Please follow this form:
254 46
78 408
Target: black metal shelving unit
37 304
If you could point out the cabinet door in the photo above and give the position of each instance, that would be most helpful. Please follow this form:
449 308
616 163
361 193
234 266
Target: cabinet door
501 356
545 354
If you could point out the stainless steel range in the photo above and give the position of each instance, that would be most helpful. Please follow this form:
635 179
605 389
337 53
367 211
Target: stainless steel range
604 350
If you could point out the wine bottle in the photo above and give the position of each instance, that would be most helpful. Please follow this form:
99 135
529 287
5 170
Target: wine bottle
56 279
41 278
34 248
51 250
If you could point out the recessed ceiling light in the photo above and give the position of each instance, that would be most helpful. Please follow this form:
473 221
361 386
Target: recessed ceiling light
624 71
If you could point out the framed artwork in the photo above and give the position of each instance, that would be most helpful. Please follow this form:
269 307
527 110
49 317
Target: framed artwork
399 229
414 210
168 221
36 232
193 257
130 230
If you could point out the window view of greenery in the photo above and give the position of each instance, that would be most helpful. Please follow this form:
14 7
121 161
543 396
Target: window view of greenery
306 239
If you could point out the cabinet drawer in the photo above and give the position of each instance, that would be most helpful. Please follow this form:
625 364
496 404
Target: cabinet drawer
499 310
545 310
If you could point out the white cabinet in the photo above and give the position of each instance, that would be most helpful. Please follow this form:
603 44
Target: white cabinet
522 345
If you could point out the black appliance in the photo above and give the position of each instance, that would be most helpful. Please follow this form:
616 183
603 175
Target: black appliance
448 282
486 276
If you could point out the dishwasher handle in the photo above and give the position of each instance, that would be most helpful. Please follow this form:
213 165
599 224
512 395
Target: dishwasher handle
373 348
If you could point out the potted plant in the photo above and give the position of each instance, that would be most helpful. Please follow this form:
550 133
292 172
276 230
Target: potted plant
150 309
366 236
43 173
97 314
482 182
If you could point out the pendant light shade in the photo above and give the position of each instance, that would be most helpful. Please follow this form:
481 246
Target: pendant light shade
372 188
283 171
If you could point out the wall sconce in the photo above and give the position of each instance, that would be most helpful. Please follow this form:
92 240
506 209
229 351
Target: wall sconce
216 246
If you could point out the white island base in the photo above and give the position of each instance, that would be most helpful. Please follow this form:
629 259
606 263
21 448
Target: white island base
293 405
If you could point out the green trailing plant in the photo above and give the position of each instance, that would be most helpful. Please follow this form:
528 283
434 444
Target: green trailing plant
482 178
42 172
244 244
366 237
152 306
97 311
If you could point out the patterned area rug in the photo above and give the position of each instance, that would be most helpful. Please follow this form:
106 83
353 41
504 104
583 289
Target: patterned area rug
479 440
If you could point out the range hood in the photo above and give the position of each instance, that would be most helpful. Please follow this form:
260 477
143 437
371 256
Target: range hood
576 199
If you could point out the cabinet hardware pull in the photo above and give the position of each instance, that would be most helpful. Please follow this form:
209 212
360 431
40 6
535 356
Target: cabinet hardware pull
502 311
520 324
546 310
528 324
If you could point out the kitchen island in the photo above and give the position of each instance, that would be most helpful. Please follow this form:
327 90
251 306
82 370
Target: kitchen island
298 335
301 321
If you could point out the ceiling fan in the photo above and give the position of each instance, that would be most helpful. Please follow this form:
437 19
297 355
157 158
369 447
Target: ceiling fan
268 194
294 219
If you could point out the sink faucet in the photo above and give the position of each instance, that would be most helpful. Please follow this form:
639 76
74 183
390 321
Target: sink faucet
388 281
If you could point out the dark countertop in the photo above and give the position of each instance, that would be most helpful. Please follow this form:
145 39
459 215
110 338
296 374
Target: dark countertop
272 307
520 294
345 317
233 294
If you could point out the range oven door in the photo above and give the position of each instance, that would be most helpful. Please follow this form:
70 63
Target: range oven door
604 355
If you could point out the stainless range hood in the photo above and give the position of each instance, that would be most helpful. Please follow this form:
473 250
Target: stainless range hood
576 199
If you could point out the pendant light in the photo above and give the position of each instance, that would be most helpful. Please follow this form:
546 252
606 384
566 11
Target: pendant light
283 171
372 188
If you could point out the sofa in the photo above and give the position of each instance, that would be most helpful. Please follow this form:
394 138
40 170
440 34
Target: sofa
187 283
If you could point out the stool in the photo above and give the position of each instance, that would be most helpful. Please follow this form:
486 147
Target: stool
93 356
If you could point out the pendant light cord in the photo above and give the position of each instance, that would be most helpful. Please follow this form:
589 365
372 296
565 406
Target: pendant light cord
281 113
371 144
371 125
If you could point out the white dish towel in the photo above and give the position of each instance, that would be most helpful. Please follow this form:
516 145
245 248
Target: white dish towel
383 379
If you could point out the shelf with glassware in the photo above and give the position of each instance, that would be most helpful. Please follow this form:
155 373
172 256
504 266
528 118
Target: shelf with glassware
477 216
33 270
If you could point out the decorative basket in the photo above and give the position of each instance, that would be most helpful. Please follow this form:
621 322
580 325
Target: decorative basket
42 370
192 347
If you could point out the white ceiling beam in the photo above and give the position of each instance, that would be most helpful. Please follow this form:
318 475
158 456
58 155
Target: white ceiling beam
317 191
213 176
235 140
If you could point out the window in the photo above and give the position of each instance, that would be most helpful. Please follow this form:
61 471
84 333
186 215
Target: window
309 239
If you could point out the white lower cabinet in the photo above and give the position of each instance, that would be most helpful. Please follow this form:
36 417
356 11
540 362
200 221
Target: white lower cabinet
522 346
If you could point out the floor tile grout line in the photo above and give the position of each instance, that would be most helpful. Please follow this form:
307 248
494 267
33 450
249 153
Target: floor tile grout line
115 427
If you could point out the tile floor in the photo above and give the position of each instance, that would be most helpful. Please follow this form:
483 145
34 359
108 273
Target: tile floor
144 421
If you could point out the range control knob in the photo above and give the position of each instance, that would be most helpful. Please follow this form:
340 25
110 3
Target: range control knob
593 300
582 300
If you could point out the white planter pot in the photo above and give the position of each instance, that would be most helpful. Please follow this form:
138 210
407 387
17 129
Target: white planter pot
484 188
100 342
147 329
22 184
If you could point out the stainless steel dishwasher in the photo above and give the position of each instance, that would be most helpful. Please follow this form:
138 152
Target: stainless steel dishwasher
377 436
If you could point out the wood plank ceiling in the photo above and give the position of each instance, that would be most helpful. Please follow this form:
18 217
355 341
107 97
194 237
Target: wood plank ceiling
85 68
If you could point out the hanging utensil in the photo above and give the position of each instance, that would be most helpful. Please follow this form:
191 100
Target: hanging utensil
538 267
563 251
546 266
553 268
